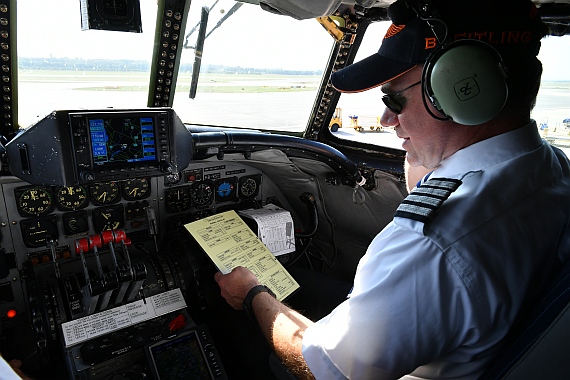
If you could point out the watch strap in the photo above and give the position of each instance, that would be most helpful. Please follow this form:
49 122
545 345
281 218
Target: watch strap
248 300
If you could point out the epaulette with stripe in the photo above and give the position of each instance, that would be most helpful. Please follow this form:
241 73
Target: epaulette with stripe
425 199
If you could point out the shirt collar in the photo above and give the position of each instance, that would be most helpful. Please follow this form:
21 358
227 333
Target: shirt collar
490 152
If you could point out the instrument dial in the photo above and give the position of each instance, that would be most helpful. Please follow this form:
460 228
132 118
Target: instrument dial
178 199
36 232
108 218
136 189
202 193
71 198
75 222
34 200
226 189
249 186
105 193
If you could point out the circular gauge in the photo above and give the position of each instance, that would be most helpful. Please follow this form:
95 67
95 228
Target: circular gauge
36 232
248 187
105 193
202 193
75 222
71 198
226 190
135 189
108 218
34 201
177 198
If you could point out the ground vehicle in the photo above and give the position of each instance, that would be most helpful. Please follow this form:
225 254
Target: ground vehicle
336 120
355 122
277 168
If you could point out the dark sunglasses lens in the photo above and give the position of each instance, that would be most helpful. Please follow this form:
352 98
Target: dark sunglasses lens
392 104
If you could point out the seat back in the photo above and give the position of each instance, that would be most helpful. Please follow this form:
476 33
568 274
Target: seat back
541 347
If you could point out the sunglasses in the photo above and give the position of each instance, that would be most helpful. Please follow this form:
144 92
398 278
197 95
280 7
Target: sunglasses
393 103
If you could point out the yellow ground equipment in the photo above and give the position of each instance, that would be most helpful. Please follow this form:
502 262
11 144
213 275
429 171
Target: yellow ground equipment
373 125
336 120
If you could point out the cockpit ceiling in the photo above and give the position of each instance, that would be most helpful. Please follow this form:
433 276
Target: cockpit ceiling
386 3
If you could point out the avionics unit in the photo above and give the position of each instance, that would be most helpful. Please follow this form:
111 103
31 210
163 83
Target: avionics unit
107 145
100 145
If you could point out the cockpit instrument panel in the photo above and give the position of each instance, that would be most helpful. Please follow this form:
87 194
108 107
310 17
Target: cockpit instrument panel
101 145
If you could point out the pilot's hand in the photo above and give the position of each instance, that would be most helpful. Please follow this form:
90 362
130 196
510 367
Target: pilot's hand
235 285
16 364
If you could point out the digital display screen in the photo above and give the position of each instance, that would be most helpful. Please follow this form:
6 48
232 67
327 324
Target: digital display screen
120 140
180 358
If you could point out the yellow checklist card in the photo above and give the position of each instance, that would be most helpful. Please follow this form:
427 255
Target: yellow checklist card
230 243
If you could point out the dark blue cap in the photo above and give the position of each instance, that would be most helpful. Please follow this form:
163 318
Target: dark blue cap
512 27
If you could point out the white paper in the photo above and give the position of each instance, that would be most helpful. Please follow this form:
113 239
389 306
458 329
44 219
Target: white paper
275 228
107 321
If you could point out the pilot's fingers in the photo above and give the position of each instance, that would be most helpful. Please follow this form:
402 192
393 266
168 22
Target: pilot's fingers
238 276
235 285
16 364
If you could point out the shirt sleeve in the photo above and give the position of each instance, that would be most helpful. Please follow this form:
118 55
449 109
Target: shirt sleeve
407 297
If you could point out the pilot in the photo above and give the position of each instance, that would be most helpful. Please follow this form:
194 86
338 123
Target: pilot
441 285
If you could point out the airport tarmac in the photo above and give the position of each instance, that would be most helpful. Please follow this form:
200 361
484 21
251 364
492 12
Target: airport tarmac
286 111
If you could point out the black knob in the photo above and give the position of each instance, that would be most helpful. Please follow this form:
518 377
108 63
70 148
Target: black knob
165 167
87 175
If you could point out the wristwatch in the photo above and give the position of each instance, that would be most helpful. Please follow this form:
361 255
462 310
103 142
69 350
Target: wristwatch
247 301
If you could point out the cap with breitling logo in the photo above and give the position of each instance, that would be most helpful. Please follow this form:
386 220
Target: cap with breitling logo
512 27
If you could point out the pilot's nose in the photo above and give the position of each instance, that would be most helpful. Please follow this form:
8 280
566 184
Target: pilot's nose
389 118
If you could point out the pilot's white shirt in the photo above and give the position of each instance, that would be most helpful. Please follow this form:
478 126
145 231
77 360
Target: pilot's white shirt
433 299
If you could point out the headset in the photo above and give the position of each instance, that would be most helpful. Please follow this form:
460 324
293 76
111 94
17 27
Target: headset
465 80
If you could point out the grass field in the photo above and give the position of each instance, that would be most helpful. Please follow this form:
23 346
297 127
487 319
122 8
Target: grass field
138 81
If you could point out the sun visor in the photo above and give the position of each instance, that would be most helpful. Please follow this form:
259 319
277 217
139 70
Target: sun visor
301 9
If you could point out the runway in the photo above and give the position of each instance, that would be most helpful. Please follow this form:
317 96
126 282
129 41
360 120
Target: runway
287 111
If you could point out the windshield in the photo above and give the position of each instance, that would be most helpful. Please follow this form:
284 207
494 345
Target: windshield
63 67
360 113
258 70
